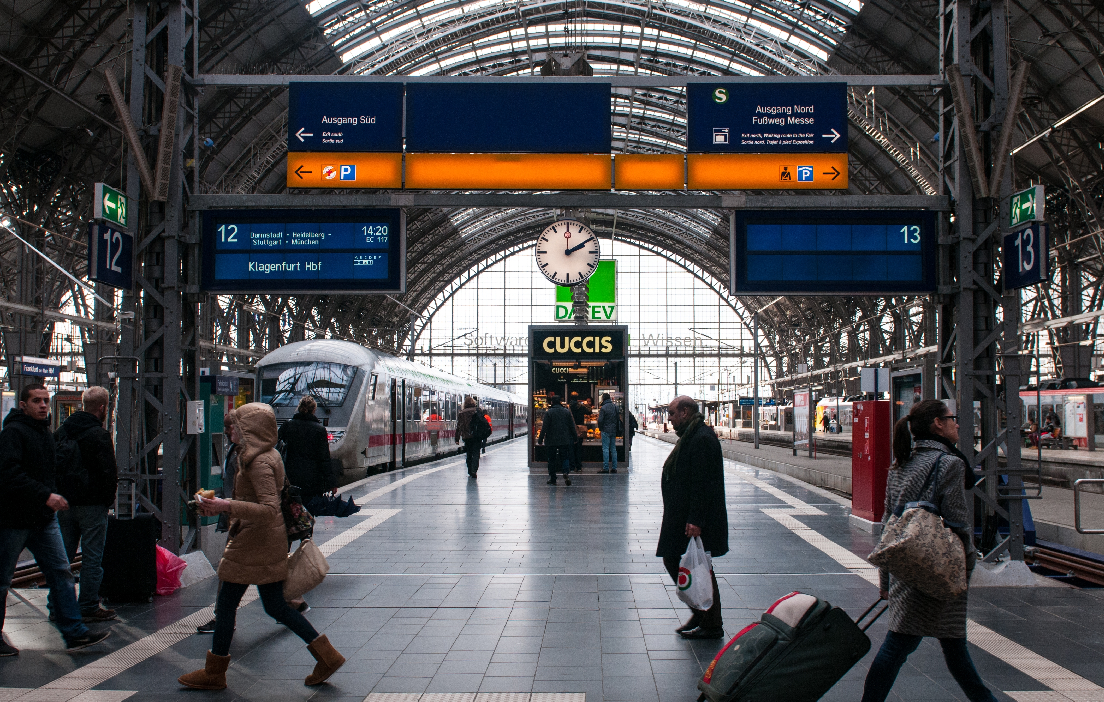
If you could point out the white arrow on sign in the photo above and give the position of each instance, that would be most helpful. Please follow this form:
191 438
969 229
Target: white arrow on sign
835 135
108 203
302 134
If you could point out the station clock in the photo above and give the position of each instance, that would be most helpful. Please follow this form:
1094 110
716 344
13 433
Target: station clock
567 252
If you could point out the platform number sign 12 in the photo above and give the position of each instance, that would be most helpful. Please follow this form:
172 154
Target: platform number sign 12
1024 256
110 254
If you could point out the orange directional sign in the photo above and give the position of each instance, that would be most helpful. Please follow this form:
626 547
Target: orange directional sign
508 171
344 170
766 171
649 171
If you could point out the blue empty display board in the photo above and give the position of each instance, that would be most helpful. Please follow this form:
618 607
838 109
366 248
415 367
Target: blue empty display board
836 252
303 250
555 118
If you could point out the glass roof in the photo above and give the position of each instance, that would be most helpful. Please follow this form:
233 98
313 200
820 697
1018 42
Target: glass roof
724 37
620 37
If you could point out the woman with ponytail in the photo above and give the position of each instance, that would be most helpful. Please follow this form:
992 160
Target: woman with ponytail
923 447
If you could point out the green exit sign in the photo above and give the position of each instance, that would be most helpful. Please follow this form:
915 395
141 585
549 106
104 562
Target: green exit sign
1027 206
110 205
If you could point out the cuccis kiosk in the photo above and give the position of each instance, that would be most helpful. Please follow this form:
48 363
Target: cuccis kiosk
590 361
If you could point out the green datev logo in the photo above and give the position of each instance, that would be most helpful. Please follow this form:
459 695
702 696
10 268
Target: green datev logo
602 287
720 96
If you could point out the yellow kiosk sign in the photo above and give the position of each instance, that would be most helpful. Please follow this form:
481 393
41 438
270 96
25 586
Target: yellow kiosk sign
602 295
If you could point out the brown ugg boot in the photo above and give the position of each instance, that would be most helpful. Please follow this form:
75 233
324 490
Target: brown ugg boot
329 660
210 677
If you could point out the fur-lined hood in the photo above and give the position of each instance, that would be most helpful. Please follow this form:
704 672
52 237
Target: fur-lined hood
257 423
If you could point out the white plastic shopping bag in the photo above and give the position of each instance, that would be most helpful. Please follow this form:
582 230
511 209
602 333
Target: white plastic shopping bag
695 584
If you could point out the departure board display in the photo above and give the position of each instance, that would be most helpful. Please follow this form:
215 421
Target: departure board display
304 251
835 252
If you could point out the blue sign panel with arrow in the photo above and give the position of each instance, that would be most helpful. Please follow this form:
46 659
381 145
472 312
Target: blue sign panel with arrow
344 117
766 118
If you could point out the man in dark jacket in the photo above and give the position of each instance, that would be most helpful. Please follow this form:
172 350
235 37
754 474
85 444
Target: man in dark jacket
558 435
307 456
694 505
28 505
89 492
609 417
578 415
472 427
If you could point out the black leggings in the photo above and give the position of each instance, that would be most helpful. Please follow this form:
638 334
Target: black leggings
272 597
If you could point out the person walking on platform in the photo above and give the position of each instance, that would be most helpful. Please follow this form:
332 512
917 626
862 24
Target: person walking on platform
308 452
609 419
256 553
558 436
579 413
912 614
471 426
229 471
29 504
87 477
694 505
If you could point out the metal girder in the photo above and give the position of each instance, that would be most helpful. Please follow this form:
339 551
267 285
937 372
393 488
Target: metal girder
587 200
617 81
979 359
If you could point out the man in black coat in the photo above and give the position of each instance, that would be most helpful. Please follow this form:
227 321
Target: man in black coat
694 505
579 413
307 458
90 493
28 505
558 435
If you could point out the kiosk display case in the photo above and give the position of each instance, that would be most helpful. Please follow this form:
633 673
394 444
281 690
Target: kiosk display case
590 361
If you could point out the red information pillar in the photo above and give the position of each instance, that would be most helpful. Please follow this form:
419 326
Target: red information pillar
871 454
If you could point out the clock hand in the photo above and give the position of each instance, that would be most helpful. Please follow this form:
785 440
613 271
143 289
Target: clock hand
576 248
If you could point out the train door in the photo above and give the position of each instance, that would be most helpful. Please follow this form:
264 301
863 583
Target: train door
404 408
393 429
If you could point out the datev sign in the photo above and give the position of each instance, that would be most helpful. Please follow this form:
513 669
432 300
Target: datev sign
561 343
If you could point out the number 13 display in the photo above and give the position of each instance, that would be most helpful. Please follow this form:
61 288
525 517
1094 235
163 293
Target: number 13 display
1024 257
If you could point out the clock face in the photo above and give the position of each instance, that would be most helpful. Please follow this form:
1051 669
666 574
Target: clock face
567 252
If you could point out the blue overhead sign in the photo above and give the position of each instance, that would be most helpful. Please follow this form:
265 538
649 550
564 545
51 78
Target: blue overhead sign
766 118
342 117
1024 256
557 118
842 252
38 367
304 251
110 256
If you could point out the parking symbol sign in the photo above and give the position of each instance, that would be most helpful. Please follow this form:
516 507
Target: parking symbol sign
349 173
805 174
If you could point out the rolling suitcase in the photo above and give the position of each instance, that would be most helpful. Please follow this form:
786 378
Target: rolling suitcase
130 559
796 652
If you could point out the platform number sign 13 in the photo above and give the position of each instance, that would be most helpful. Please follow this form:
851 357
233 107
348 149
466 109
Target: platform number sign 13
110 254
1025 255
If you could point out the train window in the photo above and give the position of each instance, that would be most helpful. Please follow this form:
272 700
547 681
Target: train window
375 379
409 404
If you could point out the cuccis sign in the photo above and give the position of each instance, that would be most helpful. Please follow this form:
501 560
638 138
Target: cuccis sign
598 343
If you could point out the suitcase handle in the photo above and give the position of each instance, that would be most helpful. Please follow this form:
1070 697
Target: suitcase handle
868 611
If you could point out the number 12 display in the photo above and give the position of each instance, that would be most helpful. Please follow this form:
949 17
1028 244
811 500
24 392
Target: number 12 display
304 250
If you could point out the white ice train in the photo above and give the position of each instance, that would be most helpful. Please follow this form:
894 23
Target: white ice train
381 412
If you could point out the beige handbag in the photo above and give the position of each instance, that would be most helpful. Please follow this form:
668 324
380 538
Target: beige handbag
307 568
918 549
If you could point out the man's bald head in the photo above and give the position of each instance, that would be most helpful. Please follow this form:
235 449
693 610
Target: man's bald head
680 410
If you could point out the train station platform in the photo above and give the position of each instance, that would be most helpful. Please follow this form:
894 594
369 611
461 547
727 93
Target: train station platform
1052 511
504 589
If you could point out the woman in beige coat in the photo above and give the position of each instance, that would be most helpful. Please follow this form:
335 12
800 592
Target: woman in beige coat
256 553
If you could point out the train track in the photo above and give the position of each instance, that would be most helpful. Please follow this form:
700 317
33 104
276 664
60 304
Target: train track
1066 564
828 450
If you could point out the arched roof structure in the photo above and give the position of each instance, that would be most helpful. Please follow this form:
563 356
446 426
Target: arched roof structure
59 132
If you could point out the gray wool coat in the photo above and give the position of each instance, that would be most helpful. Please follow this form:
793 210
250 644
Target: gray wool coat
911 611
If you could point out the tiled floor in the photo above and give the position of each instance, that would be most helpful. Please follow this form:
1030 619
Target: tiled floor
507 585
